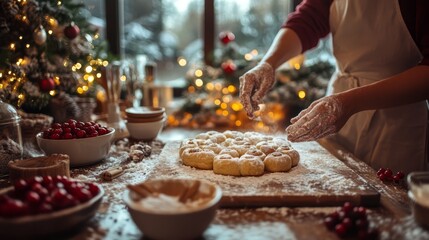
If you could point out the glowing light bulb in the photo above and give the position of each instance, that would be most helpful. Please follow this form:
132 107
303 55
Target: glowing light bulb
182 61
199 82
198 73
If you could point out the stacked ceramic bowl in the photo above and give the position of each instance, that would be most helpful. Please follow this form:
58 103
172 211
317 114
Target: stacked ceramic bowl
145 123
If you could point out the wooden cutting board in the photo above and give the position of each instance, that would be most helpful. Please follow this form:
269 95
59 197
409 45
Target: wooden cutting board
320 179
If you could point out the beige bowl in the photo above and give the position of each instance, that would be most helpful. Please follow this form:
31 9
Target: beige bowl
145 130
164 217
144 112
47 225
82 151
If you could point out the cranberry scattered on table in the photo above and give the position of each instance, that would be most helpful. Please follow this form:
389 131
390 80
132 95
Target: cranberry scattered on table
43 195
387 175
75 129
351 221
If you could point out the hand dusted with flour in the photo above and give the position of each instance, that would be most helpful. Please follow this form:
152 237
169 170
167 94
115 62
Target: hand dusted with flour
254 85
322 118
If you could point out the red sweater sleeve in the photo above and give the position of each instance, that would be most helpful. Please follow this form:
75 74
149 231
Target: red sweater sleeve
310 21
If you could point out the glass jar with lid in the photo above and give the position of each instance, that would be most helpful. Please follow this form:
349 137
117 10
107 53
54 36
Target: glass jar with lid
11 147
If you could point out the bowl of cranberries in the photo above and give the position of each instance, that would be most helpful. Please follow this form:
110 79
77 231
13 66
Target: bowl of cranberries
44 206
86 143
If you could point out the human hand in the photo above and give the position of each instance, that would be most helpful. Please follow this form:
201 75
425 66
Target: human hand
322 118
254 85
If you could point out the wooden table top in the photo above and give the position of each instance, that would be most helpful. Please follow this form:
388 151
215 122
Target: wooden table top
392 218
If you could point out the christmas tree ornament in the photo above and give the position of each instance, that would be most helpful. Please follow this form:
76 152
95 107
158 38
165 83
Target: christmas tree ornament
47 84
226 37
39 35
53 23
229 67
71 31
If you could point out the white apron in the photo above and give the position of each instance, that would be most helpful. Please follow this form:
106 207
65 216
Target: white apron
371 42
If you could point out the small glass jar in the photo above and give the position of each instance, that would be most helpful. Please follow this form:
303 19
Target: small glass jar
418 183
11 147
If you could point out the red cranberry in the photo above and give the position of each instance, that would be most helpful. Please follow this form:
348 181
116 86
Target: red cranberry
93 189
83 195
397 178
102 131
400 174
68 136
81 134
380 171
14 208
93 134
71 121
341 230
56 125
347 207
383 177
47 180
21 185
59 194
348 223
55 136
388 172
32 198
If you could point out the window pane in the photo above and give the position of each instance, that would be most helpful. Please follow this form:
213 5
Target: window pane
163 30
96 15
253 22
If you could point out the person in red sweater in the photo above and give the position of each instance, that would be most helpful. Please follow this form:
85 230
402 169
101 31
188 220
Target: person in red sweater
376 106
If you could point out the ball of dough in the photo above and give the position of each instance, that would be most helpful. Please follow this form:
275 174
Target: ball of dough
186 146
293 154
216 148
251 166
203 143
198 158
204 136
228 142
226 165
232 134
230 151
266 147
256 152
278 162
217 138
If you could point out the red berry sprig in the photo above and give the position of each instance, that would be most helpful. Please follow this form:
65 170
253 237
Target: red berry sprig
386 175
350 221
43 195
74 129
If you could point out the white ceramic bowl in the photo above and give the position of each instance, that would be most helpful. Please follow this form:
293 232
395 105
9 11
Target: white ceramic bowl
171 221
145 130
49 224
82 151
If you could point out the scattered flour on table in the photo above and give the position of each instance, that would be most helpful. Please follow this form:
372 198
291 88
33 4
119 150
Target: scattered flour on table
317 173
271 230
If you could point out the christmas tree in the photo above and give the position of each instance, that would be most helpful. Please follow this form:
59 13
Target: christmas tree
48 51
